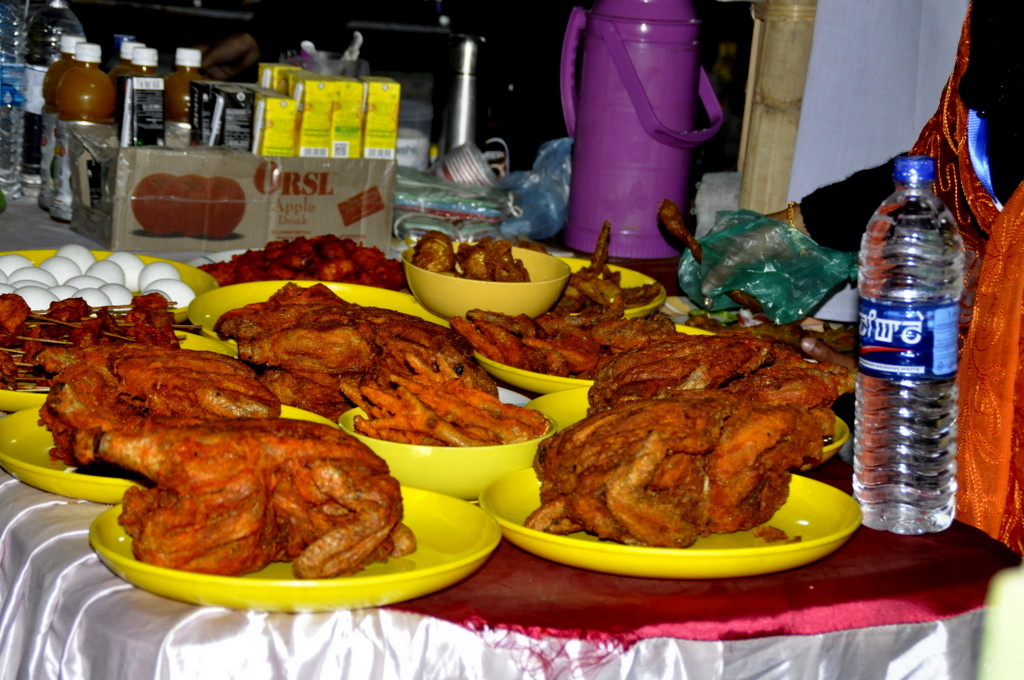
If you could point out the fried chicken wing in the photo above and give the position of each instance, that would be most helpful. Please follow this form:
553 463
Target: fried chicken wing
316 337
108 386
663 472
231 496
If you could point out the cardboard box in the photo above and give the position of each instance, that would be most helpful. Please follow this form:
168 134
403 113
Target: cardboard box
210 200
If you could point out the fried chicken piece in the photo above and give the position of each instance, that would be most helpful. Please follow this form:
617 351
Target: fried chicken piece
773 372
664 472
434 252
231 496
567 346
490 260
108 386
315 336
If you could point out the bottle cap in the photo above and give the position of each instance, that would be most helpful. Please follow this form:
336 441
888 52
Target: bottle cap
127 47
913 169
188 56
145 56
88 52
68 42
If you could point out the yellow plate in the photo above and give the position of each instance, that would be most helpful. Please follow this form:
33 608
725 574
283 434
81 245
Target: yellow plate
198 280
628 278
542 383
453 539
13 400
570 406
25 453
208 307
821 515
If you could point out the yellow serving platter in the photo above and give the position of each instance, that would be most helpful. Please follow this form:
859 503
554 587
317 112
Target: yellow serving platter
453 539
542 383
25 453
570 406
822 516
208 307
198 280
14 400
628 278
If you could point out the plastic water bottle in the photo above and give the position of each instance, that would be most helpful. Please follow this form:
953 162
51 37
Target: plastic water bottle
910 281
42 48
12 95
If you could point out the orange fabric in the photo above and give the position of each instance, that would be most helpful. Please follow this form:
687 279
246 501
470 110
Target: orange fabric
990 456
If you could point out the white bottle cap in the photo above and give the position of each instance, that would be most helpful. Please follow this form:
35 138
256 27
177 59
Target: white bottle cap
145 56
127 47
88 52
68 42
188 56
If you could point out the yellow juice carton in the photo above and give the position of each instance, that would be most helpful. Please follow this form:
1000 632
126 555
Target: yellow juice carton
275 124
274 76
316 96
380 129
347 119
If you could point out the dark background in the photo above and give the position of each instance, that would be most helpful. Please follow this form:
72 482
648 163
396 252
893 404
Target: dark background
518 70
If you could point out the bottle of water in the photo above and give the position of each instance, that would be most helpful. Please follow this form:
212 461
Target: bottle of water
12 95
910 280
42 48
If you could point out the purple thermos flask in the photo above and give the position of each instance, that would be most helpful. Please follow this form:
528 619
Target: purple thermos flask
630 81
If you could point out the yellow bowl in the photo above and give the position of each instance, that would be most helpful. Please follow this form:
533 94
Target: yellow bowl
449 296
459 471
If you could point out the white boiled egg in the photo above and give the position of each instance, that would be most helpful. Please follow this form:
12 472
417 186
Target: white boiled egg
119 295
155 271
130 264
94 296
85 281
178 292
4 288
3 277
110 272
80 255
63 292
36 298
12 261
61 267
32 273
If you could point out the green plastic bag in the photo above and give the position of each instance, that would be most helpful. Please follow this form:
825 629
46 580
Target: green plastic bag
783 268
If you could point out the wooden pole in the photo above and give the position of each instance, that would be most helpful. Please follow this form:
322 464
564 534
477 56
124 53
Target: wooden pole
780 50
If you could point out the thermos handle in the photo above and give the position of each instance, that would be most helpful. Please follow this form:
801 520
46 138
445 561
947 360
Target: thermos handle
642 105
567 73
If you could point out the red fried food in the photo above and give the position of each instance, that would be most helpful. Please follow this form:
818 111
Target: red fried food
321 258
316 337
437 409
664 472
231 496
110 386
567 346
773 372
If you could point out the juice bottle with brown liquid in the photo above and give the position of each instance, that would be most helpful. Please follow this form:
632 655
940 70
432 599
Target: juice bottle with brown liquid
177 96
53 75
85 96
124 64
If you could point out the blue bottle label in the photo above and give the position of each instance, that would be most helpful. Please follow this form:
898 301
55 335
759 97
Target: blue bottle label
908 340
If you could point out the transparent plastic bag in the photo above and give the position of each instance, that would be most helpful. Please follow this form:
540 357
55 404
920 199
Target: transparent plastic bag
541 194
784 269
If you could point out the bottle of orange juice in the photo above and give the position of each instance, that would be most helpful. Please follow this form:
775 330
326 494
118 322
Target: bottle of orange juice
49 114
124 64
85 95
178 98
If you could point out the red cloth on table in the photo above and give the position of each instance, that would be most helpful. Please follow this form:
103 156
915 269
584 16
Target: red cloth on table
876 579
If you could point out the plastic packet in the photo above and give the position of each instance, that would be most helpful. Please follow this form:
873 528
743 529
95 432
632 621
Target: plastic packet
783 268
466 212
541 194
